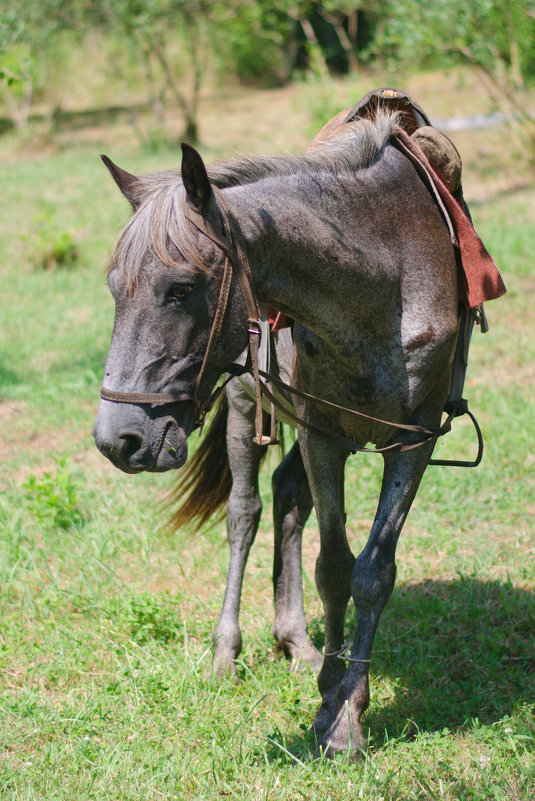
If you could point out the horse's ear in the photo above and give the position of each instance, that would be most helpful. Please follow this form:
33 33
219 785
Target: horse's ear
195 178
127 183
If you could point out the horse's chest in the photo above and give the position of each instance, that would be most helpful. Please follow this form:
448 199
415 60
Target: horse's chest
364 380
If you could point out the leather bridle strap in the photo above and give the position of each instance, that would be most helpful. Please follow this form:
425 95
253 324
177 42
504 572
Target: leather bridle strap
336 407
143 397
453 410
236 261
426 434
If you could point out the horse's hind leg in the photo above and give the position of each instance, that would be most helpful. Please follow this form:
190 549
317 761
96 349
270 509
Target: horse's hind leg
373 580
292 504
243 516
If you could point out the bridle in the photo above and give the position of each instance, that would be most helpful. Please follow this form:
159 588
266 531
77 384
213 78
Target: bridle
237 265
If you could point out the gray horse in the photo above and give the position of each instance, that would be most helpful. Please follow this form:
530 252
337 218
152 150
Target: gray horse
349 242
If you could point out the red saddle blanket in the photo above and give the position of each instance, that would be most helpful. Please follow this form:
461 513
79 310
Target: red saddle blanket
479 278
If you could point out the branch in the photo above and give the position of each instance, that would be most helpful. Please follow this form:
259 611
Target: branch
493 86
336 20
157 51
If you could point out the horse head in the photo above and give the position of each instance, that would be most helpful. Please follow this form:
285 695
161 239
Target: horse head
165 276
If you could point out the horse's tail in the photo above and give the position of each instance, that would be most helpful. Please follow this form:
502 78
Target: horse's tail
204 484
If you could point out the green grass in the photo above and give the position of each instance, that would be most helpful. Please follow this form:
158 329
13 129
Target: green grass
106 687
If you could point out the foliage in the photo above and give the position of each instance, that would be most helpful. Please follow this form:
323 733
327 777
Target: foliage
176 43
257 39
496 37
53 498
152 27
16 67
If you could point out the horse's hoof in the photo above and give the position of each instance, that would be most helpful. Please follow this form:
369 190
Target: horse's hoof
300 655
324 719
343 737
224 667
329 751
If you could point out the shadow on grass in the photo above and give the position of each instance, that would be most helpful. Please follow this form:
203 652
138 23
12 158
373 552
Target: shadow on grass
446 653
63 120
456 650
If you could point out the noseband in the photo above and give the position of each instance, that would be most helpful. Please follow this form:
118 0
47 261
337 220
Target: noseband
237 263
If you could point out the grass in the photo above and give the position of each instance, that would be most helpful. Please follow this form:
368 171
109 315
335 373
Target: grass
106 686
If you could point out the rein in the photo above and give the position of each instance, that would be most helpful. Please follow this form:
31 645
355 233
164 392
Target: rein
237 264
453 410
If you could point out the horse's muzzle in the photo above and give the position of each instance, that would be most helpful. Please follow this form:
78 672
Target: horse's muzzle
136 441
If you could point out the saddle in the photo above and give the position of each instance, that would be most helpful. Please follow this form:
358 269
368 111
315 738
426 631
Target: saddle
439 149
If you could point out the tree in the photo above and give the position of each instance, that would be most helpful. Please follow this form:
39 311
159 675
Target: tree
152 27
343 17
28 31
17 63
258 41
496 37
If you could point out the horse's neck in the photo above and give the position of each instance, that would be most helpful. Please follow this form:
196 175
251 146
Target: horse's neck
309 255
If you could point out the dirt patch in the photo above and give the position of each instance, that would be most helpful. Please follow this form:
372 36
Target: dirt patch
9 408
11 414
18 434
26 449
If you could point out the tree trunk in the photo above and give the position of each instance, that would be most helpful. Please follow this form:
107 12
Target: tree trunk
337 22
188 106
317 52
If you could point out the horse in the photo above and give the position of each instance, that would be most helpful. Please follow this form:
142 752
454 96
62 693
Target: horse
349 242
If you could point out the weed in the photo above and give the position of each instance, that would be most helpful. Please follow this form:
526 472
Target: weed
152 617
54 497
61 252
50 245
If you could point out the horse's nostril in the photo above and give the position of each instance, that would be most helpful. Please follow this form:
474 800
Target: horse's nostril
133 447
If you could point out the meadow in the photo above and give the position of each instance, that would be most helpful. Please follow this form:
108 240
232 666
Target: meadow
106 686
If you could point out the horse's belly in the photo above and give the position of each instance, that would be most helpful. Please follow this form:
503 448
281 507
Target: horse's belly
385 382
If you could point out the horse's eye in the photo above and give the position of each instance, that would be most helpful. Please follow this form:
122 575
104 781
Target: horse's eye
178 293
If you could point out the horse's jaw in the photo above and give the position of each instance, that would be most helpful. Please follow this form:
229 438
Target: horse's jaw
137 441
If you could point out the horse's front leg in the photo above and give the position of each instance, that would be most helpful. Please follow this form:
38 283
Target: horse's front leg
292 504
373 580
243 516
325 468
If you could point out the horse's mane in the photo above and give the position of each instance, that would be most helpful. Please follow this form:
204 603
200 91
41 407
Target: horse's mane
159 224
